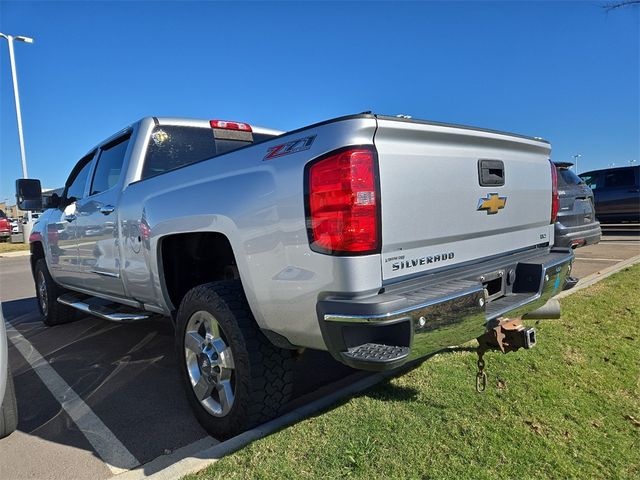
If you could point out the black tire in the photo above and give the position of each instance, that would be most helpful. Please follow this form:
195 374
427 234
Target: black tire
53 313
263 373
8 409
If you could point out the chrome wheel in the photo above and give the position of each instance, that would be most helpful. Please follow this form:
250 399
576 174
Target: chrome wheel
43 297
209 363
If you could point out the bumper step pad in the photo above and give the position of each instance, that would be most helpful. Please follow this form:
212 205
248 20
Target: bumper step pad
376 353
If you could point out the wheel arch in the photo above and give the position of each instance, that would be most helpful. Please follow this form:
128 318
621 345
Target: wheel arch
188 259
37 252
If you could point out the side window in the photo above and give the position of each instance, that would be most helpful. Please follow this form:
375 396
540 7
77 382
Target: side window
109 165
619 178
591 180
78 179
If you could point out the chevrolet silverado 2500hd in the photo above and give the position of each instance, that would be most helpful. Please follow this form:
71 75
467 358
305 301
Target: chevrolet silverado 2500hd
376 238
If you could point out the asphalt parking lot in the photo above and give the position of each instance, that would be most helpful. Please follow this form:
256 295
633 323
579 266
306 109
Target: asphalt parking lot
99 398
124 375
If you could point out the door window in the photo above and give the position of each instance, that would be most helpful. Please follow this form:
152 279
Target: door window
78 178
591 179
619 178
109 165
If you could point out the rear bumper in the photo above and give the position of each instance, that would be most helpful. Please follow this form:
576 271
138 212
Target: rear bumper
5 234
577 236
418 317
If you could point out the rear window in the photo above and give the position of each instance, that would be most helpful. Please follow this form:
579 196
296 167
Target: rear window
2 214
172 147
568 177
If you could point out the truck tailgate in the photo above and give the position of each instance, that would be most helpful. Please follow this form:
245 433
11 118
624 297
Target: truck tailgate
438 210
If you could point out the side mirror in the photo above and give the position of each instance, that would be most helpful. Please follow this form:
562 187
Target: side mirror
28 194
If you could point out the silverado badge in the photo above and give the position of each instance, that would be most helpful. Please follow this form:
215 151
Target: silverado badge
492 203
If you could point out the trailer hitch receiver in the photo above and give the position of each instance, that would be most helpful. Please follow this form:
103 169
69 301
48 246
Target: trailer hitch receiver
504 335
507 335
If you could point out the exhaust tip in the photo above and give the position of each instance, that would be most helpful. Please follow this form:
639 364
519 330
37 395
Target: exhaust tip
550 310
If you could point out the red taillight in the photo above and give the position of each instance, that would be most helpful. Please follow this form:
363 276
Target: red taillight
555 202
243 127
344 204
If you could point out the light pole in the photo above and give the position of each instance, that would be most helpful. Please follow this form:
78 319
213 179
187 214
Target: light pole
16 95
575 161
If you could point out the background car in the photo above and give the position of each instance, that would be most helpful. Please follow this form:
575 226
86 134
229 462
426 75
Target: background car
616 192
8 408
5 227
576 224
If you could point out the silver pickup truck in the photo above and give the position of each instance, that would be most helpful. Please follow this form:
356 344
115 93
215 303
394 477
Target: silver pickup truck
378 239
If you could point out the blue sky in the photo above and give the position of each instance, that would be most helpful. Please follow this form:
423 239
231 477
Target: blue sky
568 71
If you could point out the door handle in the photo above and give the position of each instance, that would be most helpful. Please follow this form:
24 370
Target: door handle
634 190
107 209
70 218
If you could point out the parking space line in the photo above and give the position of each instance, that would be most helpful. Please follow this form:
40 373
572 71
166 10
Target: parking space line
112 452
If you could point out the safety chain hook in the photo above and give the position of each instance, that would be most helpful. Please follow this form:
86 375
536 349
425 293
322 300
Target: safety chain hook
481 377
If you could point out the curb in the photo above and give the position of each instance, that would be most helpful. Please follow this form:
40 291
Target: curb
599 275
188 460
158 470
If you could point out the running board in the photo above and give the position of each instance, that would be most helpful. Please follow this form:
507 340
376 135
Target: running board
102 308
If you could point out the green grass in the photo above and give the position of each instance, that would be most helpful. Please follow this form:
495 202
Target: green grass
13 247
569 408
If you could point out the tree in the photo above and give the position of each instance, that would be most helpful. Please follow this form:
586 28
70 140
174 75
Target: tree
625 3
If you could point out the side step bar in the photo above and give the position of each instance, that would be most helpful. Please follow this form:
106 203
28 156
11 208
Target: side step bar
102 308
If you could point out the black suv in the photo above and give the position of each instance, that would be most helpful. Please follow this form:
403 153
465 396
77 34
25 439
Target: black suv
576 225
617 193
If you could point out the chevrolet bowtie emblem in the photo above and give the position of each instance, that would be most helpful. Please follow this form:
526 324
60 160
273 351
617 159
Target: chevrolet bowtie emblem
492 203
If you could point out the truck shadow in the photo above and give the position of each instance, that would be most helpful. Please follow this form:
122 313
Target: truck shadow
127 374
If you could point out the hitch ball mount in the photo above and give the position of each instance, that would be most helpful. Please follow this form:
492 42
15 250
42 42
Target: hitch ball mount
507 335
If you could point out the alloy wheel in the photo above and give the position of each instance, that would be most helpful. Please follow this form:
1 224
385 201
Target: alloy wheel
209 363
43 296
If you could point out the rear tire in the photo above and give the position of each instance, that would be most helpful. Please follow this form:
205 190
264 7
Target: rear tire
234 377
9 408
47 293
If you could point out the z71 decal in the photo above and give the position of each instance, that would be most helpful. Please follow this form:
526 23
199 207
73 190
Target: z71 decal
294 146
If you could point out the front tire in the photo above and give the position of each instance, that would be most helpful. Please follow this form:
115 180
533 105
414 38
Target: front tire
47 293
233 376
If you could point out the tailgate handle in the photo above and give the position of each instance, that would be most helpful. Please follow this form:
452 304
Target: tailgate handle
491 173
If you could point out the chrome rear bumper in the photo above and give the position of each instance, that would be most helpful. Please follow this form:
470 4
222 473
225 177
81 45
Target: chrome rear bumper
420 317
